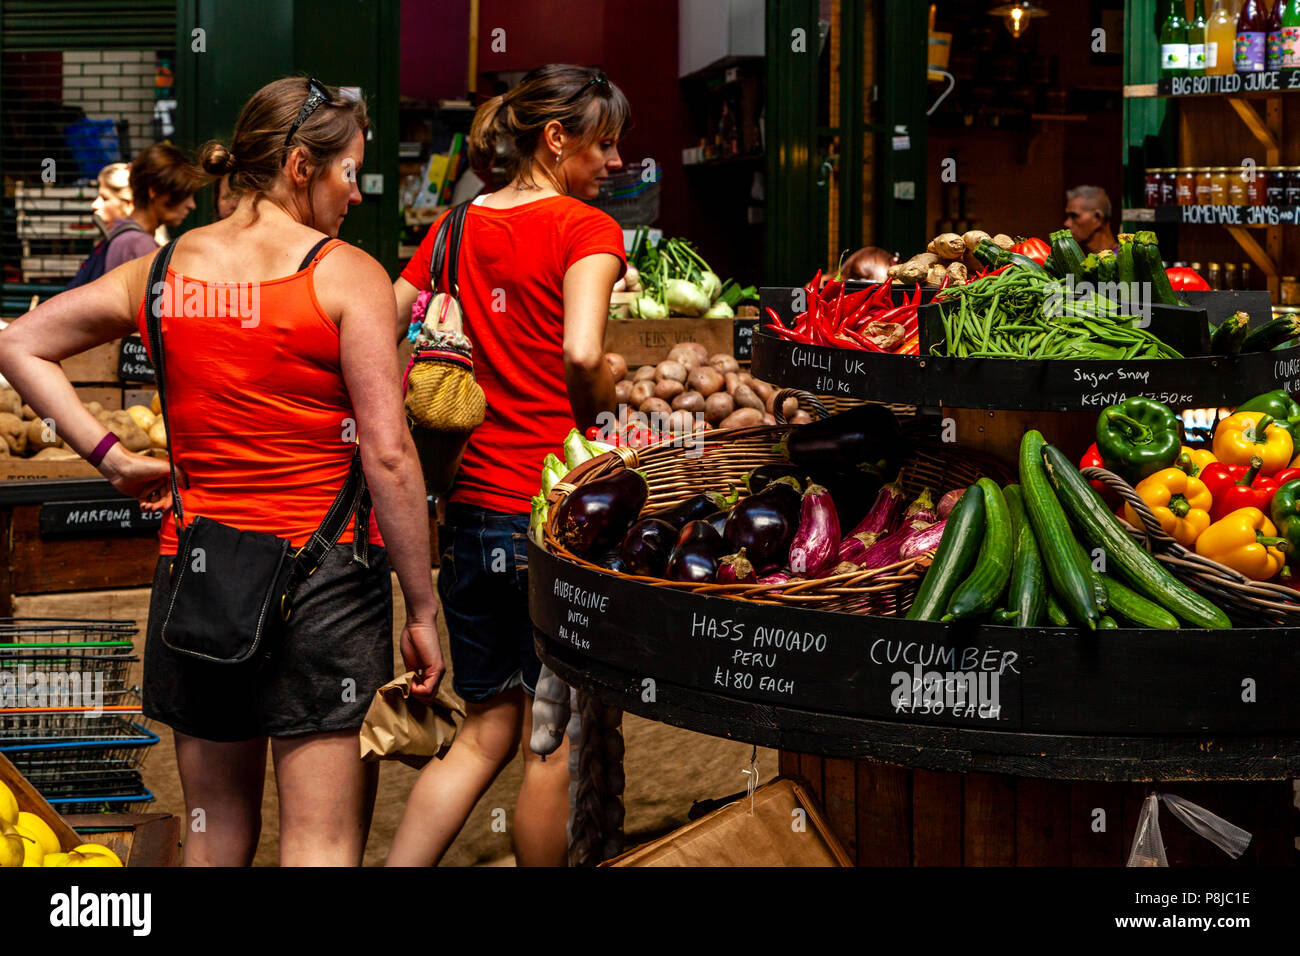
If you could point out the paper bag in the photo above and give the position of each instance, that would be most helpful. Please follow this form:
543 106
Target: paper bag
400 727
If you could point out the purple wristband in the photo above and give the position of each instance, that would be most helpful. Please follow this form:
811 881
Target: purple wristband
105 443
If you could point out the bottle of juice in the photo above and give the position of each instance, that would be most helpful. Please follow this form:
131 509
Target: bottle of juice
1291 35
1196 57
1273 44
1220 33
1173 41
1252 38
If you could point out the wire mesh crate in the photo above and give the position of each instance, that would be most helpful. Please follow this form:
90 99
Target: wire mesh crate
60 663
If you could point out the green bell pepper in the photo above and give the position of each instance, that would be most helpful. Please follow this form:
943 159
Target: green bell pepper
1284 409
1138 437
1285 512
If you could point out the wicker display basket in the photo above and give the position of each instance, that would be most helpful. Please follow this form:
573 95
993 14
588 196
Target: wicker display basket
1245 601
823 406
718 462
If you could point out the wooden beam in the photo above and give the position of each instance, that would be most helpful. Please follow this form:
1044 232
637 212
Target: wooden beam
1258 128
1253 249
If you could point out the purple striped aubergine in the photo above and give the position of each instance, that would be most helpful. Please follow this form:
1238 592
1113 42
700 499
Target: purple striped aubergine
817 541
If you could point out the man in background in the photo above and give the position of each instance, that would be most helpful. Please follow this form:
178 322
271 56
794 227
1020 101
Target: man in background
1087 216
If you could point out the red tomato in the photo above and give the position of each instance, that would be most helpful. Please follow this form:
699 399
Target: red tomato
1183 278
1034 249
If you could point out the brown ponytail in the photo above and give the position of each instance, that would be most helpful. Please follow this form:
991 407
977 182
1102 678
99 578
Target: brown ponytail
507 128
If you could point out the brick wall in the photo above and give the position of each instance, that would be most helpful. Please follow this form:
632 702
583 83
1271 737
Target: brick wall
113 84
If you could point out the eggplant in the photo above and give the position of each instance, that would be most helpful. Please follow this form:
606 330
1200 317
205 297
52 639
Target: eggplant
853 492
719 521
764 475
865 435
855 546
697 552
886 551
611 560
884 514
922 540
597 516
948 502
646 548
698 507
818 539
765 524
776 577
736 569
922 509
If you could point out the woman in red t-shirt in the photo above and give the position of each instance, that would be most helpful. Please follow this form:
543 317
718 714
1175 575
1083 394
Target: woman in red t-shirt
536 269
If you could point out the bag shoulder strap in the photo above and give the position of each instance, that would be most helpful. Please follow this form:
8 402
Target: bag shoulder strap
353 497
445 255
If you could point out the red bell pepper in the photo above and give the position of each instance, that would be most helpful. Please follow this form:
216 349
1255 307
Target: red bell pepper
1183 278
1238 486
1092 459
1035 249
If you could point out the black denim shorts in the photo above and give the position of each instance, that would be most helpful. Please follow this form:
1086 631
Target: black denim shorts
483 584
337 650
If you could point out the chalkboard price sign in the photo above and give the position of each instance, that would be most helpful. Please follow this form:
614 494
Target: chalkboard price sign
68 519
133 364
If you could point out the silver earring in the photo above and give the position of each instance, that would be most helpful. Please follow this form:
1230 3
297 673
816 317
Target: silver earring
557 159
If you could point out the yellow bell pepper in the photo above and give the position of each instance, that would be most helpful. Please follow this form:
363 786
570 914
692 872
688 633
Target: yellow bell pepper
1244 434
1197 458
1245 541
1180 503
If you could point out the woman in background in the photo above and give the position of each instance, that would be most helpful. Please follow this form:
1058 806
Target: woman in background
536 268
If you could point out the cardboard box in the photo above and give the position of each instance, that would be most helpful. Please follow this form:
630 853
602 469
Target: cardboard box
648 341
784 828
96 365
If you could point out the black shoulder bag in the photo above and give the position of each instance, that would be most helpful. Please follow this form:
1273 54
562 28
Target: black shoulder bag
232 590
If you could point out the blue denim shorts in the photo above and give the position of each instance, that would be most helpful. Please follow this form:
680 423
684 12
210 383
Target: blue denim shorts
483 584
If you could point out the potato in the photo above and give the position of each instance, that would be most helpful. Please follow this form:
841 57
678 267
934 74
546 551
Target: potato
789 408
718 406
142 416
27 412
94 408
10 401
641 391
670 369
762 389
1003 241
730 382
622 391
56 454
155 405
644 373
769 419
742 418
40 435
617 365
745 378
706 380
656 406
699 351
685 355
745 398
630 416
800 418
14 432
724 363
158 434
972 238
669 389
681 422
4 449
689 402
131 435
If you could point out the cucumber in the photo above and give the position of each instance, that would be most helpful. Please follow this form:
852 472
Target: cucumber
1027 590
1230 335
1067 253
1128 562
1131 606
1272 334
962 536
1100 595
1149 268
1107 623
1054 535
1055 613
985 585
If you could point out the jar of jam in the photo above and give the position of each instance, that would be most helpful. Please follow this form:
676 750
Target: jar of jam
1219 185
1214 275
1230 277
1276 192
1153 187
1293 186
1290 290
1238 195
1257 187
1168 187
1245 277
1185 182
1203 186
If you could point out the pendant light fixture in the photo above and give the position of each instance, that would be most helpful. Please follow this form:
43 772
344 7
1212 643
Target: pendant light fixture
1016 16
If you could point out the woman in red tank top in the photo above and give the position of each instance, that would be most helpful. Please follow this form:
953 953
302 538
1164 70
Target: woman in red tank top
536 268
280 359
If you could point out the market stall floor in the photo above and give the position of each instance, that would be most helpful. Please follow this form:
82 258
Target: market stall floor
667 768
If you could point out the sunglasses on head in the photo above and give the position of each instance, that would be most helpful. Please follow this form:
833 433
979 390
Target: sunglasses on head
599 79
316 95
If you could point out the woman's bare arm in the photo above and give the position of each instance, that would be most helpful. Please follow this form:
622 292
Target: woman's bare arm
587 287
406 295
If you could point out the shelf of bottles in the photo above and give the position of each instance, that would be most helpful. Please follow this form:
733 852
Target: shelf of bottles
1257 51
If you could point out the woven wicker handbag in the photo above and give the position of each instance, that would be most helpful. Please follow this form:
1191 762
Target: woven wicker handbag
443 402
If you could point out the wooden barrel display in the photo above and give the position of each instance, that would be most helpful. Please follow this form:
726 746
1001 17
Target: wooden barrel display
953 744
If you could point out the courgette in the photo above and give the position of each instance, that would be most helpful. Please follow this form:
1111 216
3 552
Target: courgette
1107 266
987 582
1053 267
1230 335
1107 623
1054 535
1091 264
1131 606
1125 268
1128 562
1149 268
1272 334
1067 253
958 548
1027 589
994 256
1055 613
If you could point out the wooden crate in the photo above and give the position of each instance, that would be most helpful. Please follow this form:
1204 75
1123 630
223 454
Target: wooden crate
94 365
647 341
30 799
28 469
